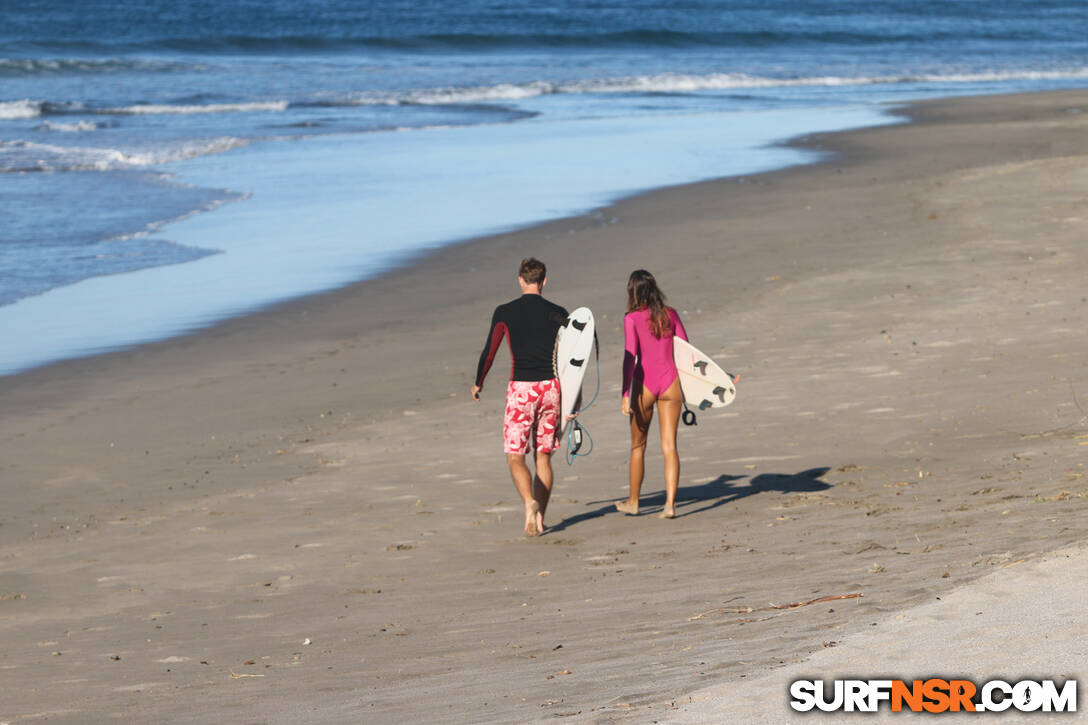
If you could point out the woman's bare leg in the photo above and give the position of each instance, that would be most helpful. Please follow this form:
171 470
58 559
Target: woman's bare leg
642 412
669 406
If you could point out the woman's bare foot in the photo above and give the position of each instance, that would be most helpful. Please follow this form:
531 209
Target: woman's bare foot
669 512
631 509
532 512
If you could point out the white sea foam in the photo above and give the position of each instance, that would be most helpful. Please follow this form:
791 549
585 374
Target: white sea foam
501 92
163 109
1072 73
21 156
68 127
663 83
46 66
29 156
13 110
681 83
196 148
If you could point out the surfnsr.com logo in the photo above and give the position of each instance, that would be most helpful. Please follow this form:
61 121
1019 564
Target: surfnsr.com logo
933 695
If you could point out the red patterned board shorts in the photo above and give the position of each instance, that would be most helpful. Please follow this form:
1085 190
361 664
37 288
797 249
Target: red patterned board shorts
532 411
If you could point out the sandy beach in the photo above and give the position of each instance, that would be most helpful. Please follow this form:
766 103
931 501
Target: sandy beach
301 516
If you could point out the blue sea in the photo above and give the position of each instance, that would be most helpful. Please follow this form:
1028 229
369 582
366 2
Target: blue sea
164 165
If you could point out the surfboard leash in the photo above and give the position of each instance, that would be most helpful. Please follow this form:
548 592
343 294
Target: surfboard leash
688 416
578 434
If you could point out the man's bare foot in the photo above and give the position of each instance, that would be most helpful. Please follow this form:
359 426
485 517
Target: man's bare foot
669 512
539 520
631 509
532 511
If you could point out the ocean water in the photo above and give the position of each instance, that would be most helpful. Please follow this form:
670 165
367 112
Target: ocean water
167 164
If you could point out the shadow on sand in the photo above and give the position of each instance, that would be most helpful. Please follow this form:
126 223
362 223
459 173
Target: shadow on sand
706 496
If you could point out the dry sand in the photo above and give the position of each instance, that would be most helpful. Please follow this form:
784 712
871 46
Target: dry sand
301 517
1022 623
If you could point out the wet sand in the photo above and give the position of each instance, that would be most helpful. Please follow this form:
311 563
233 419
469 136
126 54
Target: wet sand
301 516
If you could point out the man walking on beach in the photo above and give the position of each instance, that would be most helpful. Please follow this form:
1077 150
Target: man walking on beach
532 397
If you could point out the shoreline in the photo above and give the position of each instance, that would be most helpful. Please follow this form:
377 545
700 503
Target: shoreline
325 184
299 305
806 142
902 428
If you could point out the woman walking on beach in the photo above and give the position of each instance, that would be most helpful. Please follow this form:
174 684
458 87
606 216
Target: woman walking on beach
649 378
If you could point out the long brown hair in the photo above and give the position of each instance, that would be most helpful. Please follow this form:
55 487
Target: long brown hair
643 293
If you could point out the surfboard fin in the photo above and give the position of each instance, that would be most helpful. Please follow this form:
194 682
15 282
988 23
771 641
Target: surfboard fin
705 404
701 365
720 392
579 326
577 363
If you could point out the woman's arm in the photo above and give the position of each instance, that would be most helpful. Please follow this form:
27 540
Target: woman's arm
677 325
630 353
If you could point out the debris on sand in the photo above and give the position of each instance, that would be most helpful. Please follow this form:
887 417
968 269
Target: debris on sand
771 607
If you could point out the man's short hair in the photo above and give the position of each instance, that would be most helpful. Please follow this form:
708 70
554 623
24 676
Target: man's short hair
532 270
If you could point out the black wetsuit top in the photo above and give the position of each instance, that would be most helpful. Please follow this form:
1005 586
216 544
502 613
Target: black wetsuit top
531 324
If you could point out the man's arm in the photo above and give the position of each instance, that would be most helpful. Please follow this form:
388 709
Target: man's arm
487 356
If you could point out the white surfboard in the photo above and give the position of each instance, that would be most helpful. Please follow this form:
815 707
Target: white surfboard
704 384
573 347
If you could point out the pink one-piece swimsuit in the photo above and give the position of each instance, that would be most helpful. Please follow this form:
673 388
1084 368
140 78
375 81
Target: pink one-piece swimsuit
648 358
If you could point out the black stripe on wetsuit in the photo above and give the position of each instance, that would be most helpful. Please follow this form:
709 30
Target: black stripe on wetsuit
531 324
